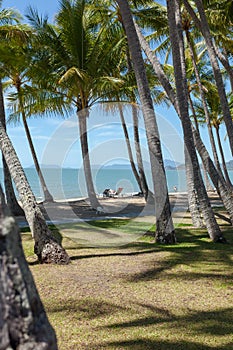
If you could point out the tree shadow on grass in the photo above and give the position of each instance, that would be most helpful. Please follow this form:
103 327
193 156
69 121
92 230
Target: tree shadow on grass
85 308
146 344
215 322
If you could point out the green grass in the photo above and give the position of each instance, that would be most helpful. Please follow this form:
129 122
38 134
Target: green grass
141 296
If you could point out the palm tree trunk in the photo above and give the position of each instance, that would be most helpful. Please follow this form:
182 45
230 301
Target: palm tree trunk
12 202
47 195
228 180
141 171
10 193
47 249
165 232
194 205
176 37
82 116
218 182
209 188
23 318
130 153
204 104
202 24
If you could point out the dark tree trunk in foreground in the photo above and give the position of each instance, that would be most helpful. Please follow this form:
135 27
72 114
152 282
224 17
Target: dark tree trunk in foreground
23 321
46 247
12 202
165 232
176 37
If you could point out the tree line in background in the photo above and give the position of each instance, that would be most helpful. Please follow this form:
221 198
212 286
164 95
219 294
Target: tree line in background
97 52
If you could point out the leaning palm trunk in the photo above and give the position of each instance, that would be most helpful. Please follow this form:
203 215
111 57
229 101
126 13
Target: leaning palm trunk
82 116
23 321
10 193
202 24
204 103
12 202
130 153
165 232
141 171
209 188
193 205
46 247
176 37
216 179
47 195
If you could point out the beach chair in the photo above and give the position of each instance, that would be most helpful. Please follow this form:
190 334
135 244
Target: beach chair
116 193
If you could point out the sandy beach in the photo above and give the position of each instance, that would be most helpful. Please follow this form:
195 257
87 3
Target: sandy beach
76 210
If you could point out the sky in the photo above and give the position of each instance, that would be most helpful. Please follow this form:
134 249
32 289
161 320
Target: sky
56 140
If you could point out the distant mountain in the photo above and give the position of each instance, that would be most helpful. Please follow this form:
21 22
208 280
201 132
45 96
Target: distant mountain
168 164
171 164
45 166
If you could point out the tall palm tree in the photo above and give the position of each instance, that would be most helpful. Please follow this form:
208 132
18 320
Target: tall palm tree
203 26
79 65
217 181
9 21
165 232
176 37
17 67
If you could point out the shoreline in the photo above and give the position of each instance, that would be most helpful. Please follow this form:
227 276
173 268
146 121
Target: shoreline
74 210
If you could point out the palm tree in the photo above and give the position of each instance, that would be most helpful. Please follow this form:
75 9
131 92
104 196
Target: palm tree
24 324
165 232
17 66
176 37
207 162
9 20
203 26
79 66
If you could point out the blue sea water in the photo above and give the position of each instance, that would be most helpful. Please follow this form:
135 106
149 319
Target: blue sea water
70 183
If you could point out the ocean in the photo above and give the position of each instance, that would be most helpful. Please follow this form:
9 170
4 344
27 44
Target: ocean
70 183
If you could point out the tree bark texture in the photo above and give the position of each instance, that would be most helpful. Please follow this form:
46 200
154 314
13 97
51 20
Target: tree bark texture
23 322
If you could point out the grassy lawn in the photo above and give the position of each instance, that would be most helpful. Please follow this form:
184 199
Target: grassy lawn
141 295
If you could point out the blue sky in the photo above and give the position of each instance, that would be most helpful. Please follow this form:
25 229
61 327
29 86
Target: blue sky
50 139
